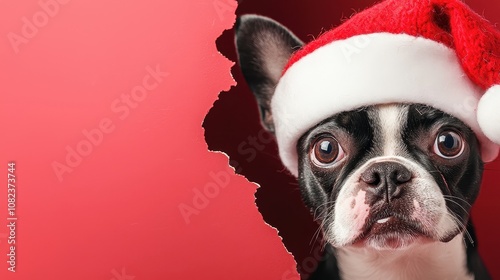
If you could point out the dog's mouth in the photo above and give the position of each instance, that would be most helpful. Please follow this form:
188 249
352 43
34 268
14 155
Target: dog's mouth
390 230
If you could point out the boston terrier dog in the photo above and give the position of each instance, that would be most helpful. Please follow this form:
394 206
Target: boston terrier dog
390 184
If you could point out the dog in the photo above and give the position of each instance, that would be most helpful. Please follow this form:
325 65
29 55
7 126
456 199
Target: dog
391 185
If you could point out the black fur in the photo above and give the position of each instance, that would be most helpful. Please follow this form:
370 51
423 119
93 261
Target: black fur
460 178
258 40
261 41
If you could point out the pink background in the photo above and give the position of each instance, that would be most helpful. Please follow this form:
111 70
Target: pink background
71 68
116 214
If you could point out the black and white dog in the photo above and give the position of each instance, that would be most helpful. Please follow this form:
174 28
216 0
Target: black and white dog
391 185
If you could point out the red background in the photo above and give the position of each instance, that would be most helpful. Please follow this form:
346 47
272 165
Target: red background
233 122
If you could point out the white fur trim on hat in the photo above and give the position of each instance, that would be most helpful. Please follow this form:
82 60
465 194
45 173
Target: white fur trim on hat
368 70
488 113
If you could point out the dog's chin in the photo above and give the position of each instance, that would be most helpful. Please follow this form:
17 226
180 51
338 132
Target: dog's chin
391 241
393 234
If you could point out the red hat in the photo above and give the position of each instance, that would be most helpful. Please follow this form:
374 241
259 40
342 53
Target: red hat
434 52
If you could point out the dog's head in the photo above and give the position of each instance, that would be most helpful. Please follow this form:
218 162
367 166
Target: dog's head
384 176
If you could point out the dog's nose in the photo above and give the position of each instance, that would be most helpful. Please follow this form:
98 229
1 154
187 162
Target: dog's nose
386 179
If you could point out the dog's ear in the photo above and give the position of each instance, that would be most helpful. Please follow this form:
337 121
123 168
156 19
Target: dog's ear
264 47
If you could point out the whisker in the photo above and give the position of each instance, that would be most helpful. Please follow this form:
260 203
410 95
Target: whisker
320 206
316 235
459 205
462 226
458 198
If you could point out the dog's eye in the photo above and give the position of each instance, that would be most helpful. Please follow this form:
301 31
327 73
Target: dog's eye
448 145
326 151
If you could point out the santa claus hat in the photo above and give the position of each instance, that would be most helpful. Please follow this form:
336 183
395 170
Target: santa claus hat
434 52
